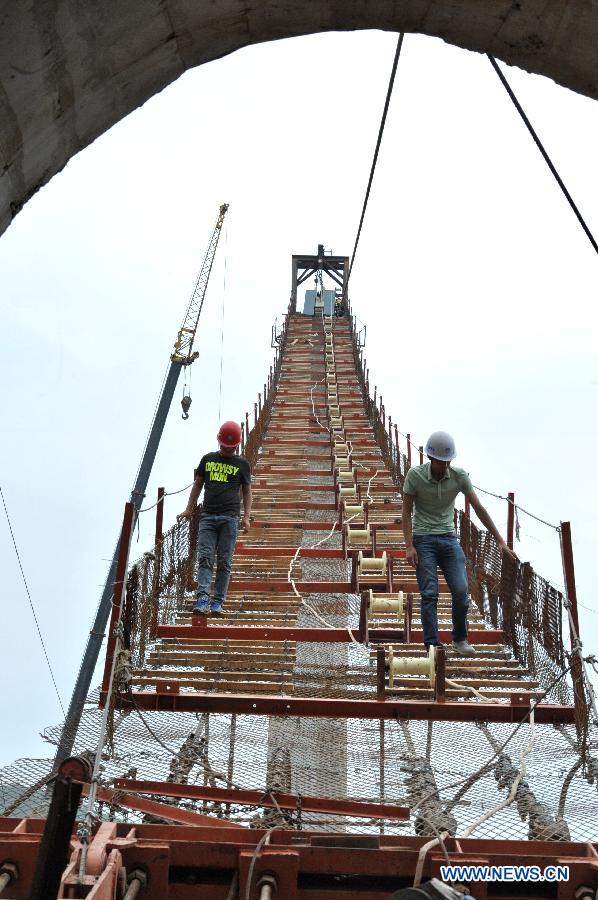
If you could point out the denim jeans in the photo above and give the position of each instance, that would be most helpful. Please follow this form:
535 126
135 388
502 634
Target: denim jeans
441 551
217 536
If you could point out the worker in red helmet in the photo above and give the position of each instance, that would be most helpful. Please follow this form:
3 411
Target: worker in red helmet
223 475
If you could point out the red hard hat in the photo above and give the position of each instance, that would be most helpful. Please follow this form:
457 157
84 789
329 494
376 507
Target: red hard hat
229 434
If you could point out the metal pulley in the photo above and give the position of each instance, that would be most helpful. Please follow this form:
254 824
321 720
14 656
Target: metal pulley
186 403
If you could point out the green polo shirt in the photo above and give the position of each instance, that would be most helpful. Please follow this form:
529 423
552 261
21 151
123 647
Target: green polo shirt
435 500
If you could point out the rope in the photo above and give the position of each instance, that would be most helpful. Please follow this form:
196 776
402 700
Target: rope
265 839
39 632
424 850
545 155
511 796
516 506
378 142
488 765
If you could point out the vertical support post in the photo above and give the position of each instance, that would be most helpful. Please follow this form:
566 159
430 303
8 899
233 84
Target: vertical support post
397 442
206 718
380 673
363 618
231 754
375 393
408 616
159 515
409 448
382 755
246 427
421 455
579 696
242 437
440 681
157 560
569 574
53 852
119 589
254 415
259 402
354 571
510 519
373 533
389 579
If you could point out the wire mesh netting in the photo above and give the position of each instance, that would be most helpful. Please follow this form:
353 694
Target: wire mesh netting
449 774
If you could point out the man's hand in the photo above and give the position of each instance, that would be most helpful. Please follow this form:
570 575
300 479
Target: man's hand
503 546
411 555
186 514
245 524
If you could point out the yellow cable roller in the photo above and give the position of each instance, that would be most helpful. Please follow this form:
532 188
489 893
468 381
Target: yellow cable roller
411 665
352 509
344 477
371 565
385 603
358 537
348 493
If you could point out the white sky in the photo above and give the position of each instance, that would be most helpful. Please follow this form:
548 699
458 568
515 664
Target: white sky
476 283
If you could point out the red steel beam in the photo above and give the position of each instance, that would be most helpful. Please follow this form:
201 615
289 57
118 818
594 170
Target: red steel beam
311 635
330 708
250 633
310 552
283 587
269 799
161 810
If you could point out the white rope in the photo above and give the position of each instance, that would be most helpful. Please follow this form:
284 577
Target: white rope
524 753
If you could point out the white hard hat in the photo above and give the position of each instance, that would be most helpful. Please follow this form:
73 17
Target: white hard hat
440 445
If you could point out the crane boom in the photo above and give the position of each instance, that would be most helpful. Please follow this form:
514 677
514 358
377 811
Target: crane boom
182 356
183 346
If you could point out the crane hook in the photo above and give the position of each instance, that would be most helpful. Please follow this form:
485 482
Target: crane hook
186 403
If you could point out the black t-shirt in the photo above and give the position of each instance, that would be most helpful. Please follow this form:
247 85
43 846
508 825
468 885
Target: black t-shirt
223 477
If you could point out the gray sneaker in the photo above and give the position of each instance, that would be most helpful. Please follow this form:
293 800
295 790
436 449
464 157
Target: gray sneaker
463 648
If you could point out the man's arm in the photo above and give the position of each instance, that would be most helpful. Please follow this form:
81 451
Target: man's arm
193 498
484 517
247 499
411 554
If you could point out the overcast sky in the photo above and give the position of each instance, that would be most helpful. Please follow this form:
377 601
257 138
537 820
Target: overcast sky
476 283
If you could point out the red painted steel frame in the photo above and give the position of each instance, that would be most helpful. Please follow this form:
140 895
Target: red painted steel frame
160 810
323 635
510 519
271 799
119 587
170 699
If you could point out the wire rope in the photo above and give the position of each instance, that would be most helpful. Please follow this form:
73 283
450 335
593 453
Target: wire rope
222 332
39 632
542 150
376 151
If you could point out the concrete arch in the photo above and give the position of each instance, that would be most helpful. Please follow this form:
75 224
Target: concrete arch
70 69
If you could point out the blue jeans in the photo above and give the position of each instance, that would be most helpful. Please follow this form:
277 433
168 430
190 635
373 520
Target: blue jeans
217 536
441 551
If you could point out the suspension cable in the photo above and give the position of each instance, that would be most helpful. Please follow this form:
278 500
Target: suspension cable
378 142
39 632
540 147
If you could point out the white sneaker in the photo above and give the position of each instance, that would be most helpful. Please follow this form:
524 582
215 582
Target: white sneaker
463 648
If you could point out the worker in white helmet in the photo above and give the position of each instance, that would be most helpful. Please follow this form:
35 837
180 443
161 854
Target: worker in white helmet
431 542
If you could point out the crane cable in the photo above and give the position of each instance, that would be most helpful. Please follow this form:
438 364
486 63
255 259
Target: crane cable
378 142
222 331
542 150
